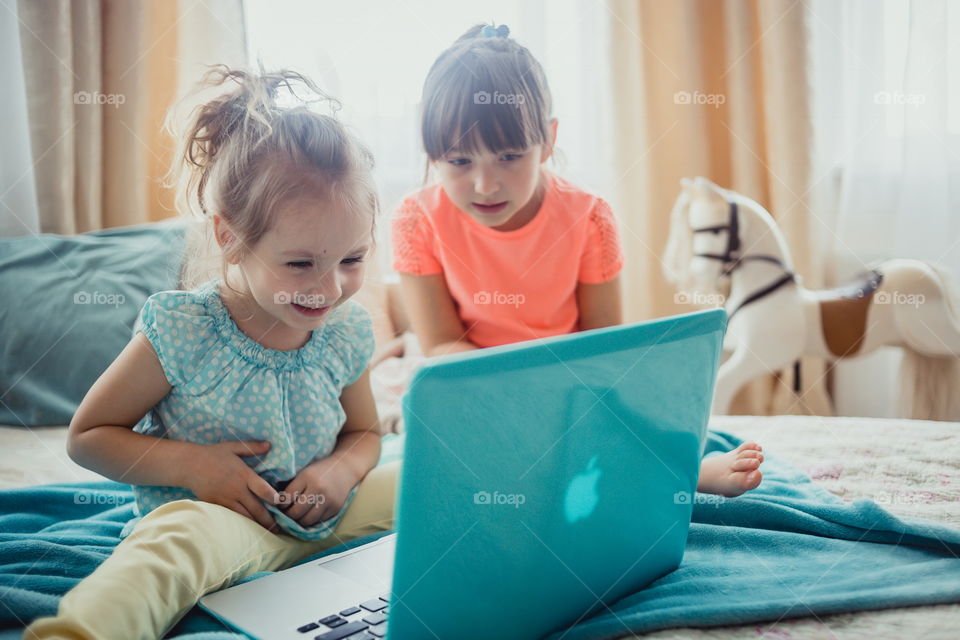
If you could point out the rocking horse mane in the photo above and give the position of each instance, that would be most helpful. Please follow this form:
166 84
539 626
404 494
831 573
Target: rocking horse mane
679 248
758 214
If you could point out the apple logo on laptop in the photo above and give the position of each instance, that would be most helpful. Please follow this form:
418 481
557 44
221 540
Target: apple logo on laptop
582 497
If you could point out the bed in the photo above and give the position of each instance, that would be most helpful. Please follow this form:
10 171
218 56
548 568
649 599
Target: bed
908 467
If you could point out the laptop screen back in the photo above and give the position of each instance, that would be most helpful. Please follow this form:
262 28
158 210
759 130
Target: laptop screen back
545 480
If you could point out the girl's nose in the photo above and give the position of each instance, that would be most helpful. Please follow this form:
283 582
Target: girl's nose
485 184
329 287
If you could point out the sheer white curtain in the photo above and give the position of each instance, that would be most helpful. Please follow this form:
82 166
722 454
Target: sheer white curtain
886 98
373 57
18 197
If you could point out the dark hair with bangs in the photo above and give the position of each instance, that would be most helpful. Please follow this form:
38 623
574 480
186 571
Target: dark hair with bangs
484 92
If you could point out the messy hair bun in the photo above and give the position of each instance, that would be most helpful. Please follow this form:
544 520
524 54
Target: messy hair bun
247 150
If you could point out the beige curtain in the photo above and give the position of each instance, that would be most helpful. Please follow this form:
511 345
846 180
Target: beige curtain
100 77
757 142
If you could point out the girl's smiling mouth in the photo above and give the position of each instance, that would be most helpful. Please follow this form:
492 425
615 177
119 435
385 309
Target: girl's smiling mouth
310 311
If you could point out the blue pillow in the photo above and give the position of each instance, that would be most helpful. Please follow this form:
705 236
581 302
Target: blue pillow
67 308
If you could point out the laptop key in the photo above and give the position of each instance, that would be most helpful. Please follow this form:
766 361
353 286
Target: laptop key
333 621
374 605
342 632
350 611
308 627
379 631
375 618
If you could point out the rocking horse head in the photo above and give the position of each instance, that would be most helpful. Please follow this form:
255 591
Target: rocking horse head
712 232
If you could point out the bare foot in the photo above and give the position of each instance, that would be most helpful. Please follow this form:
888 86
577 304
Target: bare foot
732 473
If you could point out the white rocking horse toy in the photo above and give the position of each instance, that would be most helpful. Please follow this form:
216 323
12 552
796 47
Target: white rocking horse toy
721 241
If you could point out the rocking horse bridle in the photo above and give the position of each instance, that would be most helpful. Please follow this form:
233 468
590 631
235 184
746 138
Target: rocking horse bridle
732 260
733 239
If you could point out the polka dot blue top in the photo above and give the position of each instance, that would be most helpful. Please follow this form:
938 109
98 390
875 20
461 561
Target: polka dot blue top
226 386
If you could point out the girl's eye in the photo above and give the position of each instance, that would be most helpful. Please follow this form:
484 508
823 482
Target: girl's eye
511 156
355 260
458 162
299 265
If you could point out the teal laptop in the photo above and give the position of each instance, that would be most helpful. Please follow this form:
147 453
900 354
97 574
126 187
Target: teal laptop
542 482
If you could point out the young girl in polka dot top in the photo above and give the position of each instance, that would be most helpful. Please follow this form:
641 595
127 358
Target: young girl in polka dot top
241 410
499 249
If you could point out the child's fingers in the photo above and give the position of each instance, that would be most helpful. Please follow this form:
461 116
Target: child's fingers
302 504
250 448
328 512
295 486
318 514
307 503
262 489
257 512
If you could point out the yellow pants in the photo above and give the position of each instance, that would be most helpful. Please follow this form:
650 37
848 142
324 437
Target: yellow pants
187 548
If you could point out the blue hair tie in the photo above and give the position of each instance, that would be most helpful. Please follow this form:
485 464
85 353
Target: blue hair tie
493 32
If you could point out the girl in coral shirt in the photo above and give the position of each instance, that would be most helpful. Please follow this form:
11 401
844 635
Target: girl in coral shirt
501 250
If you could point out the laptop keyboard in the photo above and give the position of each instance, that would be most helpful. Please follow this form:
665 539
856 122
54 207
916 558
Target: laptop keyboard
366 621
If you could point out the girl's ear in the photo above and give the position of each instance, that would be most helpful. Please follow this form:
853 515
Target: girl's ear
222 232
547 149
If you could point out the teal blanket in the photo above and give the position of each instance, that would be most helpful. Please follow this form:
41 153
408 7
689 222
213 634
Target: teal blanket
786 549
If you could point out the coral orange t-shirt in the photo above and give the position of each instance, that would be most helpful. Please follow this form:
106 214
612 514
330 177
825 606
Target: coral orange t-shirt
509 286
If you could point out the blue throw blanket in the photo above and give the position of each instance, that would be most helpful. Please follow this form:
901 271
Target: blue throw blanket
786 549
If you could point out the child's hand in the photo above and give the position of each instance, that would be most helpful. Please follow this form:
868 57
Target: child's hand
220 476
318 492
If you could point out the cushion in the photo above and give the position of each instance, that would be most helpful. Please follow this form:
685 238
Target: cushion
69 304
